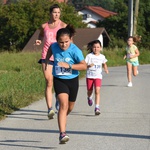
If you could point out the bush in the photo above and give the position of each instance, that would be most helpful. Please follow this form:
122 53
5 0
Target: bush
116 43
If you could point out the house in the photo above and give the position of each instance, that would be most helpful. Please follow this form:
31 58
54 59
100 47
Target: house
30 46
85 35
81 38
92 14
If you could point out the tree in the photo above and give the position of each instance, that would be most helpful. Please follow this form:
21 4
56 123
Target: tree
70 15
117 26
107 4
143 23
18 21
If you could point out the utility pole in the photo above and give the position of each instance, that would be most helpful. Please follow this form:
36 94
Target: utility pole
136 16
130 17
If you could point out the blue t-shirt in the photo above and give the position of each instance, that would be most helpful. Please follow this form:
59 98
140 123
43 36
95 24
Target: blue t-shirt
73 55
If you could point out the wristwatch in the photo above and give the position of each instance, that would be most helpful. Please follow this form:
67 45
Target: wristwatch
70 66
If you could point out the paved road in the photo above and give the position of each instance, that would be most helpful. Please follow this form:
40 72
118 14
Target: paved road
124 123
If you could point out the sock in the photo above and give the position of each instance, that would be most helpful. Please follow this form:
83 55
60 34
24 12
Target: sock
96 106
91 96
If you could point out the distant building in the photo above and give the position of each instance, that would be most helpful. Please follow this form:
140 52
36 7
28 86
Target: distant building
92 14
85 35
81 38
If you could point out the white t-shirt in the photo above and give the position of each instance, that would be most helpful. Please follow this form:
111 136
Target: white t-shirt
96 70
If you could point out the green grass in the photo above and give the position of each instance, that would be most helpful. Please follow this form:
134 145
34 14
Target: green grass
22 81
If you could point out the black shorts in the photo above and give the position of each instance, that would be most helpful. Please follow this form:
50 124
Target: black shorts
44 61
69 86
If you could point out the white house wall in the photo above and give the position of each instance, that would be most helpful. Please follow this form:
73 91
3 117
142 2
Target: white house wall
100 38
94 17
91 25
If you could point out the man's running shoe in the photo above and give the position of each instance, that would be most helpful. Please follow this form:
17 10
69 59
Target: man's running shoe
90 101
97 111
63 138
51 113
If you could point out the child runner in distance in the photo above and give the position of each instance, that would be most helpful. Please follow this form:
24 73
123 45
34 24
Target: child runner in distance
68 59
95 62
131 57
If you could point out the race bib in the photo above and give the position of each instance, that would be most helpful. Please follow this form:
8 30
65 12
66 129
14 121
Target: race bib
63 71
91 73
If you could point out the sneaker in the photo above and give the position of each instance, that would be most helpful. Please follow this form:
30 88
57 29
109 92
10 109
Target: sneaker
63 138
90 101
57 105
97 111
129 84
51 113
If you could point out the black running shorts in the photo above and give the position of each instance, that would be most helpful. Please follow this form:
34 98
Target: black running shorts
69 86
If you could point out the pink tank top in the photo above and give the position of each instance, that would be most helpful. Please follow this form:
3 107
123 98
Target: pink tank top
49 38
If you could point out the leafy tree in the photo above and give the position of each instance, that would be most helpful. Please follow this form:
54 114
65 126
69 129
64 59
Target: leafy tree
18 23
107 4
69 15
1 2
19 20
117 26
143 28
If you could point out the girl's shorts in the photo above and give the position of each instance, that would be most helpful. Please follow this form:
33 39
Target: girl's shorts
44 61
134 63
93 82
69 86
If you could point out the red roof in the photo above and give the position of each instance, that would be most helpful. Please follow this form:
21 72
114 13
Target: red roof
4 1
62 1
100 11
